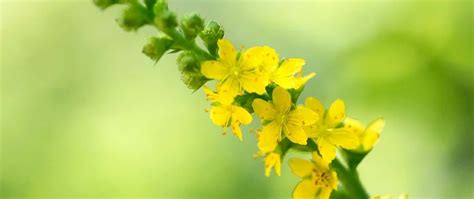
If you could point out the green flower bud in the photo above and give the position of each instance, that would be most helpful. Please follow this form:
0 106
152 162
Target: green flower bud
190 68
192 25
133 18
210 35
150 3
157 46
103 4
193 81
166 20
160 6
188 62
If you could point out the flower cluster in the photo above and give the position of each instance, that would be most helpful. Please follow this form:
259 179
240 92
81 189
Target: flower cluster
240 82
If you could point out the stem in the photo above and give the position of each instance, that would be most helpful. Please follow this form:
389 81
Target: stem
350 180
176 35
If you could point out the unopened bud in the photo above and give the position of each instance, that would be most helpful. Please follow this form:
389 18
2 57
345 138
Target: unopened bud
133 18
166 20
192 25
157 46
211 34
188 62
190 68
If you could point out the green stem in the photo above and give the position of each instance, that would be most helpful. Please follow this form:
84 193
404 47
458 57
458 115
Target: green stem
350 180
176 35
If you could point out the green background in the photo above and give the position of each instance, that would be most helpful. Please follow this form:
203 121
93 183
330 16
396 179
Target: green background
84 114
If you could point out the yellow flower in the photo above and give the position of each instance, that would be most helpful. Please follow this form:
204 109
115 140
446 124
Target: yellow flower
223 113
367 136
272 160
282 74
325 131
280 118
403 196
236 74
318 180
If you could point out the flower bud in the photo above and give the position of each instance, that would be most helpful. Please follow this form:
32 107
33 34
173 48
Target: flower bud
210 35
188 62
160 6
190 68
133 18
157 46
192 25
166 20
103 4
150 3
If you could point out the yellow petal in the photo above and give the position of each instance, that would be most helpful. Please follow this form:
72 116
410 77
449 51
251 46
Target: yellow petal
301 167
372 133
216 97
213 70
300 81
227 52
303 116
241 115
229 88
268 138
295 133
272 161
327 150
315 105
306 189
264 109
354 126
262 58
343 139
325 193
281 99
320 163
284 76
336 113
236 129
253 82
220 115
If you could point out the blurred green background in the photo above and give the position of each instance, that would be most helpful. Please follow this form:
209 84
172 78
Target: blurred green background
84 114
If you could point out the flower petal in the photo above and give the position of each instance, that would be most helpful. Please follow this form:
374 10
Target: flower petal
281 99
264 109
300 81
303 116
321 164
268 137
214 70
372 133
325 193
236 129
284 76
301 167
295 133
241 115
229 88
272 160
336 113
220 116
354 126
253 82
315 105
342 138
326 149
306 189
227 52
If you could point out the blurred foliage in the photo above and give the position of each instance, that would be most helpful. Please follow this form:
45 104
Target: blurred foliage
84 113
